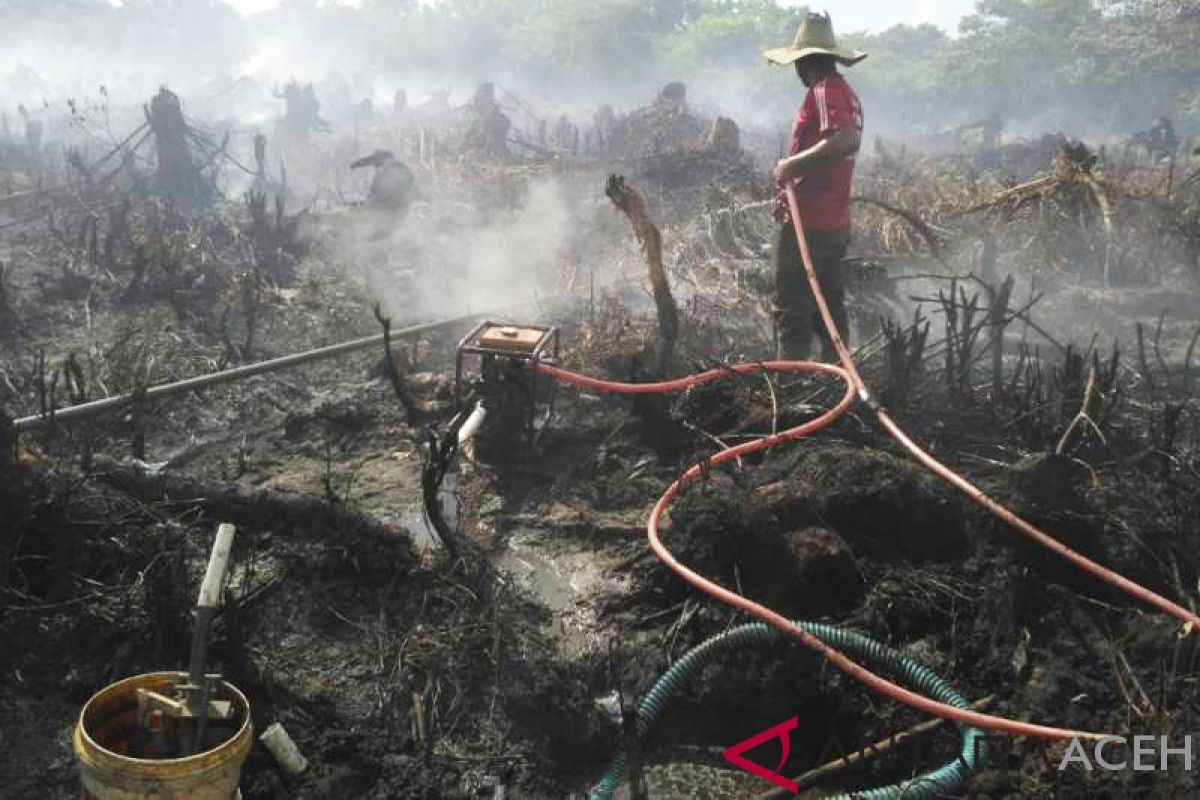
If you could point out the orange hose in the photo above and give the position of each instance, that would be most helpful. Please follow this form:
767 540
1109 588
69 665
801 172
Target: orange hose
855 385
949 476
780 622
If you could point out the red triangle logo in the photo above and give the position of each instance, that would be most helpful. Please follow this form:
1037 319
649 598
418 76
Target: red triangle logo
782 732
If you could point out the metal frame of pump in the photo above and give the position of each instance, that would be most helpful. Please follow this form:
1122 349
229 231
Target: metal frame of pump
509 382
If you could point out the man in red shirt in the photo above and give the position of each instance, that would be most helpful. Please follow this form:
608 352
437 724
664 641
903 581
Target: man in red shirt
824 143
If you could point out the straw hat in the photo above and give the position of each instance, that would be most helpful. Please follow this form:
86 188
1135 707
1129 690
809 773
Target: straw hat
815 38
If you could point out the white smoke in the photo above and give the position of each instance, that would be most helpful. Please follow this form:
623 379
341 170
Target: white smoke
447 258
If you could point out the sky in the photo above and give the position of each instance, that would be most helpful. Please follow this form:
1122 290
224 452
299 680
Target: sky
873 16
251 6
848 15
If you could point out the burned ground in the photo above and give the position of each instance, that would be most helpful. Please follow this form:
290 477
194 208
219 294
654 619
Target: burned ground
403 673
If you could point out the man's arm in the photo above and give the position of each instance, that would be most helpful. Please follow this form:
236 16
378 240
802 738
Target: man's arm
837 145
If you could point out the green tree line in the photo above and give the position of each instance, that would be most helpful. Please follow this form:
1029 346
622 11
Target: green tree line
1102 65
1108 66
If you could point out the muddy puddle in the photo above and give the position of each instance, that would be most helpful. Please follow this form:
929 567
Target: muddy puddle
567 581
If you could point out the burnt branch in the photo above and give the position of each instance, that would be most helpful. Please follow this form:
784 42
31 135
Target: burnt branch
393 371
631 203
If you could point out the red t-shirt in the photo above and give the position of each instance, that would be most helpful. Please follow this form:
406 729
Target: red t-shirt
824 193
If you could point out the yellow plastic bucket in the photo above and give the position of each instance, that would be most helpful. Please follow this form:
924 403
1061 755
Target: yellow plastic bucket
103 737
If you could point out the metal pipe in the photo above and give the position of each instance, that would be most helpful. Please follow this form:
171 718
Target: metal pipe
84 410
474 422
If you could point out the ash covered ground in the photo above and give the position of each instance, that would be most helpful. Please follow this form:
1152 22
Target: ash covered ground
1034 326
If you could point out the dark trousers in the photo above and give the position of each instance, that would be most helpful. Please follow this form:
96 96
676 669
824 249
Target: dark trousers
796 315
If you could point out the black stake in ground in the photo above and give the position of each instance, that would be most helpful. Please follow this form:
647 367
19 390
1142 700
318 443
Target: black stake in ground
393 372
12 494
439 455
997 318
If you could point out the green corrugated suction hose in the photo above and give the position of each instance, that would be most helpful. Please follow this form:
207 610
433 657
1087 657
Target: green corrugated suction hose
939 782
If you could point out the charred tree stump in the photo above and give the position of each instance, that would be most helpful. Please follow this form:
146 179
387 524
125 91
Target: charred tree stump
997 320
630 202
8 448
9 495
904 356
987 258
260 163
961 336
177 176
118 236
8 313
13 500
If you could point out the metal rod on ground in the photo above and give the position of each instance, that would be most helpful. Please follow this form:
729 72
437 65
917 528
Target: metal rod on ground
814 776
95 407
84 410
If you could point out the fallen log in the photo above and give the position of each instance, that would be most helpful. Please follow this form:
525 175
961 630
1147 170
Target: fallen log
235 504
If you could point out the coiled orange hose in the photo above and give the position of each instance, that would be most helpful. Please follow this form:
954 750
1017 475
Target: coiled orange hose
773 618
855 386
